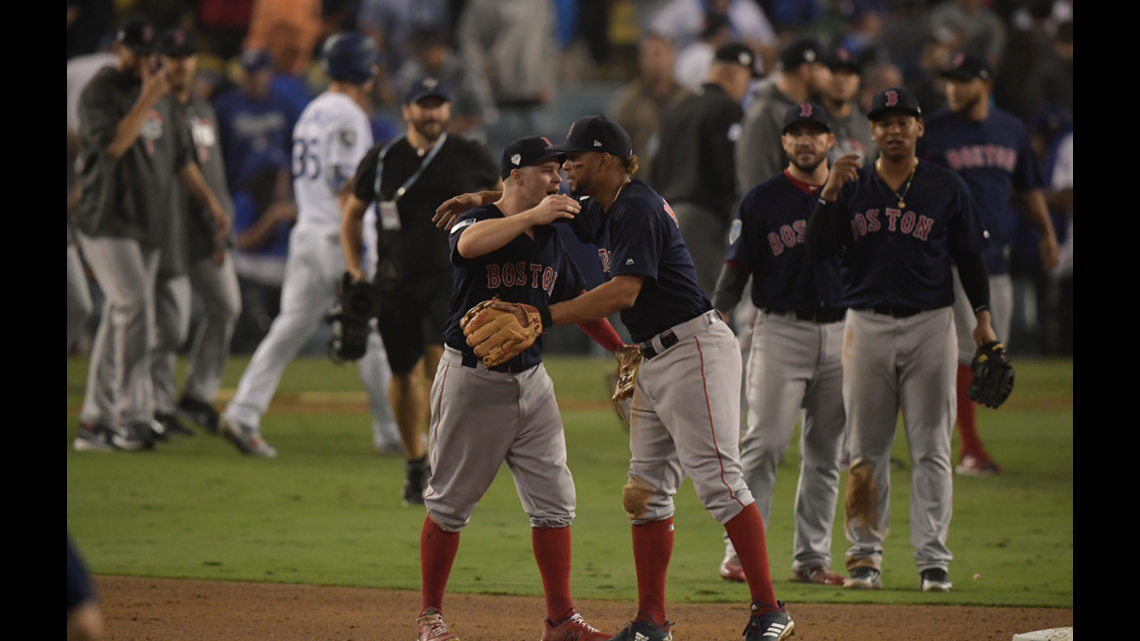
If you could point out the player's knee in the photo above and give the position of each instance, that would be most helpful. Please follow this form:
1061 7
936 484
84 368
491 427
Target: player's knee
724 500
448 520
636 497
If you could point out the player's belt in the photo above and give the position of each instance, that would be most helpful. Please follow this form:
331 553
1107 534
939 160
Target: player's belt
823 315
475 362
653 347
896 311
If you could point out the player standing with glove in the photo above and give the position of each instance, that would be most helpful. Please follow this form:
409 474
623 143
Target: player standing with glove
487 411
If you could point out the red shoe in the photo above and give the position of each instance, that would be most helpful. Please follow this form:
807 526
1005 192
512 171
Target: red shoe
430 627
572 628
731 570
819 574
971 465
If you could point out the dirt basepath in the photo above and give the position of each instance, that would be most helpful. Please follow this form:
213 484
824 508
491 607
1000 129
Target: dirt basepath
185 610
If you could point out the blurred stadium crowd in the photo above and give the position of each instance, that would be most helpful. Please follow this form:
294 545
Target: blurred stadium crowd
525 67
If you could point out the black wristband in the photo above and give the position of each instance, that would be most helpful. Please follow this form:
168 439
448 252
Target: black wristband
544 314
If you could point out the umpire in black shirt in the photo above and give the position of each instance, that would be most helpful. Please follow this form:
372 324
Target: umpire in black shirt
695 169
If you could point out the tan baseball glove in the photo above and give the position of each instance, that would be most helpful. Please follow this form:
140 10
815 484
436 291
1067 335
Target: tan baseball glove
498 335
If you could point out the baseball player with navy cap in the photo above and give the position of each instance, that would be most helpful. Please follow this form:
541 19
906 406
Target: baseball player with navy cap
989 148
797 340
902 222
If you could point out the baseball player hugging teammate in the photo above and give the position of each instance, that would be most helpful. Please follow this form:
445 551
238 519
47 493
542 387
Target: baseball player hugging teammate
796 343
901 221
499 408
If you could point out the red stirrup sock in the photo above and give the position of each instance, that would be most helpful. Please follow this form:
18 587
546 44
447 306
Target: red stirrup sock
652 549
552 553
971 443
437 553
746 530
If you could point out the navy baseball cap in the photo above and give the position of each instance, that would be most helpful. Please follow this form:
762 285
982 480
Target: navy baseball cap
740 54
597 133
137 34
426 88
177 43
891 100
525 152
800 52
255 60
806 112
841 58
967 66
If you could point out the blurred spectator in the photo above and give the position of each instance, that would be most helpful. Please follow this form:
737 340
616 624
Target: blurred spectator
864 30
1053 82
88 21
800 76
923 79
983 33
694 61
644 101
389 23
875 79
264 214
80 71
473 105
791 15
512 44
288 29
904 32
682 21
252 118
849 123
1061 197
222 25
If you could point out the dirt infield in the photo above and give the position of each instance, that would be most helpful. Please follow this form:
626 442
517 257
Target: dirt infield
177 610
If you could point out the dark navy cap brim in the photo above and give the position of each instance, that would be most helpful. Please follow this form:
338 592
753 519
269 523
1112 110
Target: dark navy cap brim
429 94
957 74
880 113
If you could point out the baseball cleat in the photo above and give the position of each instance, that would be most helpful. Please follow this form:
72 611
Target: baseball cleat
638 630
171 426
94 437
818 574
934 580
730 568
572 628
247 439
418 474
141 436
200 413
776 625
971 465
430 627
864 578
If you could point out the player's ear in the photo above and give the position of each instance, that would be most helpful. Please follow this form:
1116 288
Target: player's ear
921 127
830 141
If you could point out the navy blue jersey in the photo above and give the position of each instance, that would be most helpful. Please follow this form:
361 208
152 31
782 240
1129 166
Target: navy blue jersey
992 156
535 271
79 588
902 258
767 241
640 236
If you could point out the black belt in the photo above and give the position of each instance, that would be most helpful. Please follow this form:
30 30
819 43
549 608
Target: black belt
896 311
668 339
822 315
474 362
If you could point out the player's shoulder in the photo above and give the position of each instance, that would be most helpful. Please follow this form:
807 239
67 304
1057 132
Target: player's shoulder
941 176
941 117
1005 121
105 81
468 218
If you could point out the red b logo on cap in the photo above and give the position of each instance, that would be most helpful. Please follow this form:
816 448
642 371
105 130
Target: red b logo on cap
892 98
805 110
959 58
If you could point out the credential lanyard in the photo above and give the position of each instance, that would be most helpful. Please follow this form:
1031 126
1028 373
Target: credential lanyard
414 177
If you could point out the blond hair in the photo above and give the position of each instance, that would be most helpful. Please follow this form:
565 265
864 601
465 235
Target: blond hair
631 165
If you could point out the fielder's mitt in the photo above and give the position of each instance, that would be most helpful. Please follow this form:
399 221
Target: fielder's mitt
350 318
498 335
629 360
993 375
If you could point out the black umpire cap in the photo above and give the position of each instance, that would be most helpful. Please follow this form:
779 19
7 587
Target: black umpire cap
137 34
967 66
740 54
177 43
525 152
800 52
597 133
806 112
427 88
895 99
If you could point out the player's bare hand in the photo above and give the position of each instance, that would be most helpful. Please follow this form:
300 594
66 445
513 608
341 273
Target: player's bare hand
282 212
221 223
843 171
452 208
355 273
155 83
984 332
1050 252
553 207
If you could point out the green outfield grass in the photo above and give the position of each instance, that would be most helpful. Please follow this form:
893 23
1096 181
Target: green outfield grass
327 511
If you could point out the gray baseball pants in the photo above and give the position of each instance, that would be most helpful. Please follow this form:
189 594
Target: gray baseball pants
1001 314
119 389
891 363
79 305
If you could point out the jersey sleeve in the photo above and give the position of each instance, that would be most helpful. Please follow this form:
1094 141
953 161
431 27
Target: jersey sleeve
636 247
462 223
350 139
1026 173
569 283
364 182
98 117
741 251
968 233
183 139
585 224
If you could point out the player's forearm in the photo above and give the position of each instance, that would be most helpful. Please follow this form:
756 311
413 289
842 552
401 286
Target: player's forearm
614 296
975 281
129 127
191 178
486 236
1036 211
729 288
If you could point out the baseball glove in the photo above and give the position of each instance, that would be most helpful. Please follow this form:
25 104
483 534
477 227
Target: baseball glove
628 363
993 375
498 335
350 320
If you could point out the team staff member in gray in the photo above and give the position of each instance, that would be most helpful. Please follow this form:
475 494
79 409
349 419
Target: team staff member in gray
796 344
203 262
902 222
132 147
695 166
410 176
849 124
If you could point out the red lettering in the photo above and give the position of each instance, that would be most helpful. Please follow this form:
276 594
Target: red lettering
922 230
553 279
854 231
509 275
991 155
953 159
775 244
907 222
1010 159
493 278
604 256
893 218
548 280
861 224
800 226
873 220
520 274
535 274
788 236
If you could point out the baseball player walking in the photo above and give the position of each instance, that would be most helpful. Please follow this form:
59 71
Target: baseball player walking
989 148
331 136
483 416
902 222
796 343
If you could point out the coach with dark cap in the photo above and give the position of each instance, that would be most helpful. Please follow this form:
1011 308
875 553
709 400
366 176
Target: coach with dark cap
695 168
848 122
409 177
132 148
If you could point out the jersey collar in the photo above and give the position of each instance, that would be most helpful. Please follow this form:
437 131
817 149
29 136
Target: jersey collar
802 186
